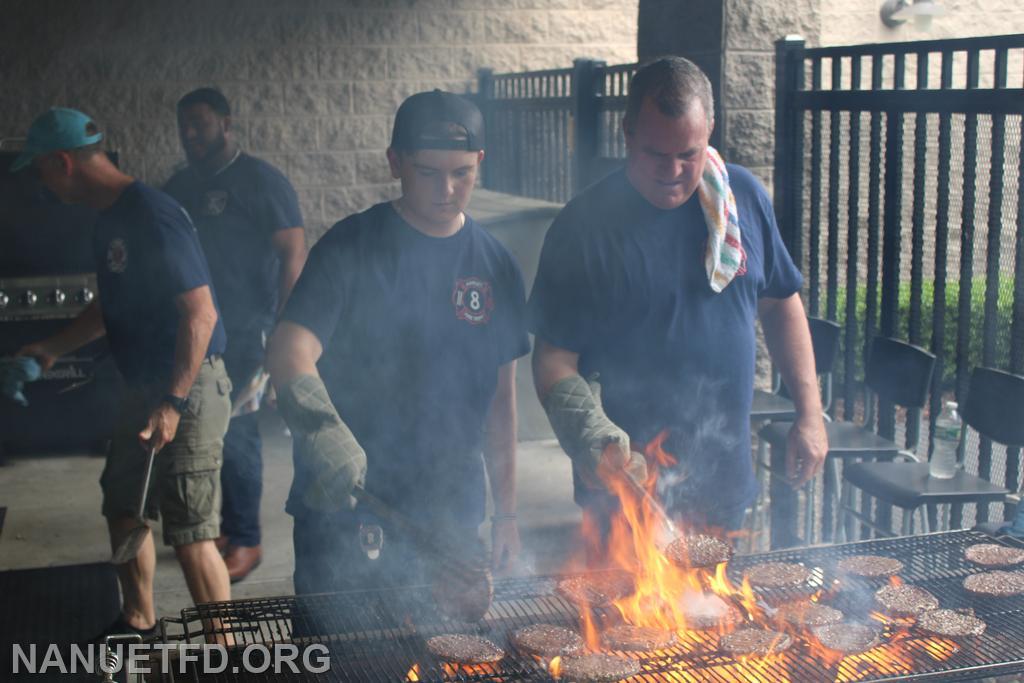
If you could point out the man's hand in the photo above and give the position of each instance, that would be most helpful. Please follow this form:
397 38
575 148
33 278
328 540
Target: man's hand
505 544
43 354
806 448
161 428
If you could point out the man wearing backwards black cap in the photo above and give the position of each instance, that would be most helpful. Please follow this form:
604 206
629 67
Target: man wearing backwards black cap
395 359
158 311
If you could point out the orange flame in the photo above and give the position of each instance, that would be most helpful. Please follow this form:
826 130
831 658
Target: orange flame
670 597
414 673
555 667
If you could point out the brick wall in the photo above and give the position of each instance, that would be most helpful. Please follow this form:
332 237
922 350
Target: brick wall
314 83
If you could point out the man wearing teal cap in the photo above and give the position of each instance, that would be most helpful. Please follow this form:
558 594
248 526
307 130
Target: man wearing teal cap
157 309
57 129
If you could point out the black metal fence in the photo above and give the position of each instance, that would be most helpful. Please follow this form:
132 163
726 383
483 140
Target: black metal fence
899 189
551 133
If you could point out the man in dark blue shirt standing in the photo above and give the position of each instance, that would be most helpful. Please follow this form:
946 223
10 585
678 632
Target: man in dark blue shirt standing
652 280
250 227
395 361
159 313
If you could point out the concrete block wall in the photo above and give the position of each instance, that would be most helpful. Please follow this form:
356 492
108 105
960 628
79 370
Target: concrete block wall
857 21
313 83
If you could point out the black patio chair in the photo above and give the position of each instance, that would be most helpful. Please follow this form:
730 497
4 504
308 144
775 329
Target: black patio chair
995 409
775 405
896 372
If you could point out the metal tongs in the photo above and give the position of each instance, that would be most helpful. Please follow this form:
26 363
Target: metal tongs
129 547
667 531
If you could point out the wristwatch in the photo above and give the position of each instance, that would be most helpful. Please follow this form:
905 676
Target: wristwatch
178 403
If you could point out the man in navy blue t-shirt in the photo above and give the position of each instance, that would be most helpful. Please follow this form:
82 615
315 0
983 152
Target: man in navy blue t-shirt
250 226
159 314
395 359
652 280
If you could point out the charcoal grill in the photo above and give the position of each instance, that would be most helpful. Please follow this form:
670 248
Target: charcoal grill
380 635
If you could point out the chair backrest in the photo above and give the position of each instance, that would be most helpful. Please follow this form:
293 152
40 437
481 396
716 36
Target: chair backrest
825 340
995 405
899 372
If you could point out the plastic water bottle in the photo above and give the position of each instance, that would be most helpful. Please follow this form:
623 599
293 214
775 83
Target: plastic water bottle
943 463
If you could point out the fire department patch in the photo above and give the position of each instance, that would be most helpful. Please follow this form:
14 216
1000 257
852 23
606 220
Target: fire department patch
215 203
117 255
473 300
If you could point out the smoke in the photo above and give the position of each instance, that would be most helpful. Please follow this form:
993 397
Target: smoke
702 437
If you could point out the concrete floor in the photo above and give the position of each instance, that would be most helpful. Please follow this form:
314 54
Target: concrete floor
53 517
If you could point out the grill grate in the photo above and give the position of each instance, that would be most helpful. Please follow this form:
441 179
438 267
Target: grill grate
380 635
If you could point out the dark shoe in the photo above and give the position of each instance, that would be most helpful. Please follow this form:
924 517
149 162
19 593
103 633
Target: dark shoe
120 626
222 544
241 560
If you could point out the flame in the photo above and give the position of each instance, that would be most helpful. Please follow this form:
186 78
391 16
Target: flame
897 654
657 459
665 594
635 544
555 667
459 671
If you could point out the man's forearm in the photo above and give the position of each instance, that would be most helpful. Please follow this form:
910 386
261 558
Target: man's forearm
195 329
500 445
86 327
789 342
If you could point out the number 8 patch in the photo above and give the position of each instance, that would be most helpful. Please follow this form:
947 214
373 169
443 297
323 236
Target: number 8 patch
473 300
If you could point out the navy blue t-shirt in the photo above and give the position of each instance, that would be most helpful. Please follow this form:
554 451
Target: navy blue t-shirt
236 212
147 253
623 284
414 329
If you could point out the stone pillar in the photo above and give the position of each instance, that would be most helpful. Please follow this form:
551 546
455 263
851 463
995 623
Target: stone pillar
734 42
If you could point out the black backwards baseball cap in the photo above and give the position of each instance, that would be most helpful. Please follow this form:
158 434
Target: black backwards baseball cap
419 117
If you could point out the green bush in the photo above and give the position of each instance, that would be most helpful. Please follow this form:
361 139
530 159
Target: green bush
1004 316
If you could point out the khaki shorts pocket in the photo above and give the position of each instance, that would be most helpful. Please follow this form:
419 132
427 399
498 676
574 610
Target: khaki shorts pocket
190 493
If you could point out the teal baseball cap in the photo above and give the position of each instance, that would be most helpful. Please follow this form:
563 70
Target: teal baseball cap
57 129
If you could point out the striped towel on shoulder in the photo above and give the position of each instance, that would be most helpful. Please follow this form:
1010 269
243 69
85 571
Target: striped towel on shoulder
723 257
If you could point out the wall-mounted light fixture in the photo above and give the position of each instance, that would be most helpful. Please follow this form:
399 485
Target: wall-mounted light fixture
897 12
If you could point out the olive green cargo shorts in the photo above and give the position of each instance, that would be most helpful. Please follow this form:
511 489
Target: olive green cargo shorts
185 485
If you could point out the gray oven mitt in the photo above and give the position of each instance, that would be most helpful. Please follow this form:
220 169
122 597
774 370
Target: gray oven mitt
583 429
335 460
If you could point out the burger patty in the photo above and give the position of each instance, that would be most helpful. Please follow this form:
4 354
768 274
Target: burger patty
847 638
950 623
464 597
629 637
699 550
547 640
995 583
595 591
706 610
754 641
597 668
464 649
777 574
993 555
905 600
808 614
870 566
